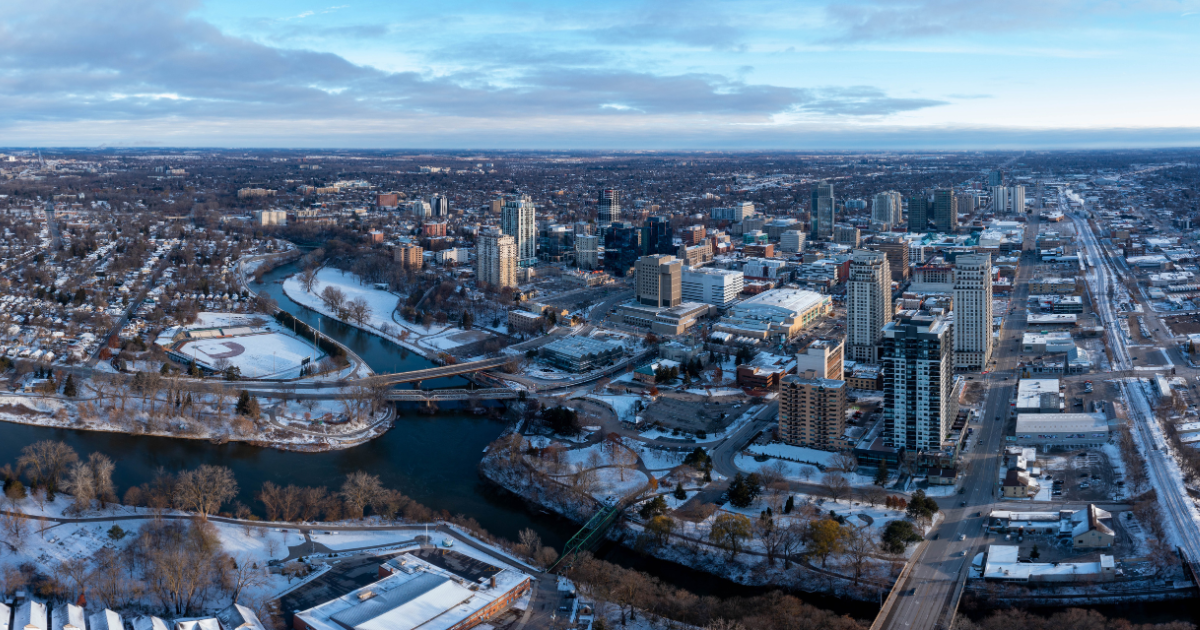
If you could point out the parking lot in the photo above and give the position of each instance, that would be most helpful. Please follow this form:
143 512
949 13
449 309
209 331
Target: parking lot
1079 475
691 416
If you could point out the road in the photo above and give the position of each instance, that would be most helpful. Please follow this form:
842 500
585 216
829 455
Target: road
928 597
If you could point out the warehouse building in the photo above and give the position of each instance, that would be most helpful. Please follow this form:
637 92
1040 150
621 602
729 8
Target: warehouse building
1061 429
1039 395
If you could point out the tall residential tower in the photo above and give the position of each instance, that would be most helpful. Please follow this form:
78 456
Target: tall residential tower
517 220
972 311
918 408
868 304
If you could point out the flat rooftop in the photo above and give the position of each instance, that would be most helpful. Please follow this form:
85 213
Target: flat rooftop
1061 423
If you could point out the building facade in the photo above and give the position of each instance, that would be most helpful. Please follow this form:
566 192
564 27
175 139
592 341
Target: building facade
517 219
886 209
868 304
496 260
972 311
812 411
719 287
915 355
610 207
823 357
411 256
587 251
791 241
823 212
918 213
945 210
659 280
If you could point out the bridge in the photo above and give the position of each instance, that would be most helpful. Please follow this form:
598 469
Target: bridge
586 538
416 376
417 395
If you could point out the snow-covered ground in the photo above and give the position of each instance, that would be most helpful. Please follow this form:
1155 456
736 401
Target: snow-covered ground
793 453
428 341
262 355
734 427
625 406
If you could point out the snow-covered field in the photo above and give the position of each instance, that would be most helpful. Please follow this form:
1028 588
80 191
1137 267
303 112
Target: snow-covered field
267 354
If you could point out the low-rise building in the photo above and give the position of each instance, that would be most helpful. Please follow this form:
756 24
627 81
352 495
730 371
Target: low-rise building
1003 565
580 354
674 320
520 321
1061 429
1039 395
775 314
1063 286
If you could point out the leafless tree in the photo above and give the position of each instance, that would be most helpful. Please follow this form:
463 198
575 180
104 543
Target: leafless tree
205 489
312 500
102 472
308 279
46 461
859 545
81 484
359 311
806 472
359 491
333 298
243 573
835 485
843 462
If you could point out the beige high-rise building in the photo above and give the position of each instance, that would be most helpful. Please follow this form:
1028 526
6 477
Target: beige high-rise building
868 304
823 357
659 280
496 260
972 311
411 256
812 411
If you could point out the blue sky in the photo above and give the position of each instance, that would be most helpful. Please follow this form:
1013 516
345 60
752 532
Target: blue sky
887 74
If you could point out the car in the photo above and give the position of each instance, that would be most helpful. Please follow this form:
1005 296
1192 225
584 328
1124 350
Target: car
962 504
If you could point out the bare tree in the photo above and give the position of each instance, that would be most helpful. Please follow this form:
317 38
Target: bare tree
333 298
843 462
102 472
242 573
81 484
859 545
359 491
205 489
359 311
47 461
835 485
308 279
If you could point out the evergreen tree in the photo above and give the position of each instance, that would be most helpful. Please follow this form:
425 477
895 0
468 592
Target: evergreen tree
881 474
1034 553
679 491
165 370
789 506
69 389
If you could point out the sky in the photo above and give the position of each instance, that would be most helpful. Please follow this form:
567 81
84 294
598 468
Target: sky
618 74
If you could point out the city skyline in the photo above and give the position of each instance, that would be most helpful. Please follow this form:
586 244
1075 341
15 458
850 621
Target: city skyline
936 74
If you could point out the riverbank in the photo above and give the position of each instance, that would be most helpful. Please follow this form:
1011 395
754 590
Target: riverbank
136 417
688 544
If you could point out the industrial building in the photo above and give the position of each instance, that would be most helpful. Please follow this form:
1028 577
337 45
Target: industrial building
1039 395
1061 429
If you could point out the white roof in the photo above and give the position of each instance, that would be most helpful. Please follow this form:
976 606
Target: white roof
1029 390
1061 423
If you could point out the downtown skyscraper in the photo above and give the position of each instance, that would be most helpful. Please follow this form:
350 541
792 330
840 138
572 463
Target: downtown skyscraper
823 212
868 304
972 311
918 374
517 219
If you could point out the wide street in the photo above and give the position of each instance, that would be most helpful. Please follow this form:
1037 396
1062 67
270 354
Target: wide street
923 600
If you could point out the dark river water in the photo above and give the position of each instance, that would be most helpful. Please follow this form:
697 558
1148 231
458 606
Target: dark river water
432 459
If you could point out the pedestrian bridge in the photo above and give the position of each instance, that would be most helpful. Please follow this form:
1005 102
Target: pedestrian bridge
418 395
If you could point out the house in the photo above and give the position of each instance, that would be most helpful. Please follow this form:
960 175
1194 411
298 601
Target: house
105 620
1018 485
149 623
68 615
31 615
1090 530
